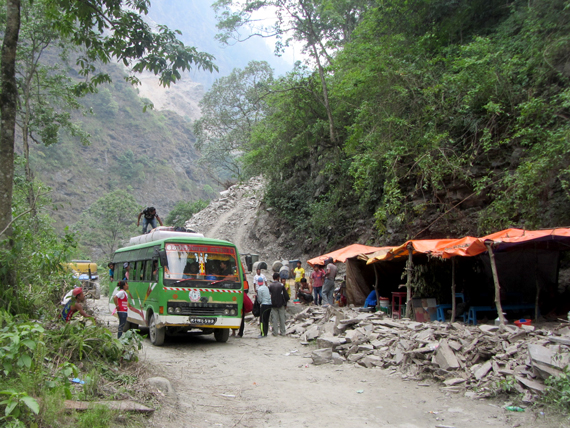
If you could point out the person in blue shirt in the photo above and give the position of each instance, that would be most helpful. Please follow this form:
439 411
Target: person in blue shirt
111 267
264 298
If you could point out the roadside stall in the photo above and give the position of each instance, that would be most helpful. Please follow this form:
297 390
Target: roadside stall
360 279
509 270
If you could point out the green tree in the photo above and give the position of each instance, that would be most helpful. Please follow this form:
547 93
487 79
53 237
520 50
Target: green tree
322 26
46 93
182 212
109 222
106 29
230 110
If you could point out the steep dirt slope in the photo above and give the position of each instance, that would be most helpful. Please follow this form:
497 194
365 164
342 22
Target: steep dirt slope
239 216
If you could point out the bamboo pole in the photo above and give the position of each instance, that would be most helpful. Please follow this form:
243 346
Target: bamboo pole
376 285
536 302
452 290
502 320
537 283
409 269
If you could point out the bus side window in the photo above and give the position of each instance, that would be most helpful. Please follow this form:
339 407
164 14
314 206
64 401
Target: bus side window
141 269
119 271
147 270
154 270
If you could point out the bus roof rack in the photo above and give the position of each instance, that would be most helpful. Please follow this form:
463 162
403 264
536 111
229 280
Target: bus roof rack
164 232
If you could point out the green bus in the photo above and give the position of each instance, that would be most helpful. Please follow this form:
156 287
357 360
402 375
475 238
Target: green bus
181 281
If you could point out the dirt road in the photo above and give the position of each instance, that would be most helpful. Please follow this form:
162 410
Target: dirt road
270 382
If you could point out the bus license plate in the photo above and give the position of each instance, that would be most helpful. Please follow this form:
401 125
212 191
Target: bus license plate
203 321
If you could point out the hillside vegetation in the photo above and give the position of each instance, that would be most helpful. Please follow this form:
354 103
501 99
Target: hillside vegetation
447 118
150 154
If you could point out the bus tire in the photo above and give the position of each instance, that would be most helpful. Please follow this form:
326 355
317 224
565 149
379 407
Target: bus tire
156 334
222 334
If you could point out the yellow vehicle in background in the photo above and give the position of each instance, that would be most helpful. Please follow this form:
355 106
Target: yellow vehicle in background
86 272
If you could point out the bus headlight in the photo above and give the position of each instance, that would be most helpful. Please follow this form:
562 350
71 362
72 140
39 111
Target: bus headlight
233 312
177 310
170 310
226 311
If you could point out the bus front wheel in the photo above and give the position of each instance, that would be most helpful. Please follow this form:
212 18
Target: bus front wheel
156 334
222 334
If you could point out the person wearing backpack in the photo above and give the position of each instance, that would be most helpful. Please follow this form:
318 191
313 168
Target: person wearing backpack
279 298
264 299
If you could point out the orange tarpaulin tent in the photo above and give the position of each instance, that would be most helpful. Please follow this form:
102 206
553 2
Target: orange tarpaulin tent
344 253
470 246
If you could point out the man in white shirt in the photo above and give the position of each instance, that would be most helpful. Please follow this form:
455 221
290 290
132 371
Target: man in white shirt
256 278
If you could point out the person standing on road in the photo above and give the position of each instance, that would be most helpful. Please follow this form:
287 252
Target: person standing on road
256 278
317 284
328 287
121 299
299 274
279 298
264 299
150 217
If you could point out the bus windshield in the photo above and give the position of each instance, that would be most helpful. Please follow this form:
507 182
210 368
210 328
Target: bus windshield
201 265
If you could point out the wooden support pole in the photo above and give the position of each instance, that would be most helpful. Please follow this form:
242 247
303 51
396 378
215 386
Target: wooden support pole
452 290
376 285
536 302
409 270
502 320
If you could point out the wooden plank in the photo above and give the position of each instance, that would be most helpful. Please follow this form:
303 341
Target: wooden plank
123 406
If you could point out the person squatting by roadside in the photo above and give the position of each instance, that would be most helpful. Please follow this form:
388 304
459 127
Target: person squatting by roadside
305 293
264 298
75 304
150 217
316 279
121 303
328 287
279 298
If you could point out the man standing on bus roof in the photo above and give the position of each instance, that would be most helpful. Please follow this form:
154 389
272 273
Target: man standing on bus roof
150 217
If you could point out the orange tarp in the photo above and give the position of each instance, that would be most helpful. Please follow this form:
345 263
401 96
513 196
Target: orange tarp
344 253
470 246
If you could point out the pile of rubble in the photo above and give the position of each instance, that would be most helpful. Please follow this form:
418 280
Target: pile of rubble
481 358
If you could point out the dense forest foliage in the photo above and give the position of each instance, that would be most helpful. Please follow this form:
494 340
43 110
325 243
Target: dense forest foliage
446 117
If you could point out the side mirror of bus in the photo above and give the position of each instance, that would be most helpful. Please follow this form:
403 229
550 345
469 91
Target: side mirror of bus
163 258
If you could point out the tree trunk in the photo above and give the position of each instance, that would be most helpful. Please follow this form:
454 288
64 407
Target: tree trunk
8 105
325 94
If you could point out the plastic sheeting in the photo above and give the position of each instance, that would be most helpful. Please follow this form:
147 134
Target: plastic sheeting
551 239
344 253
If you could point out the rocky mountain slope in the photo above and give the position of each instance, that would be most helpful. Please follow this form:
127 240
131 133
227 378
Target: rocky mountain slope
239 216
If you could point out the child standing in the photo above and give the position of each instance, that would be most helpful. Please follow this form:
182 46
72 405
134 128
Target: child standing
120 300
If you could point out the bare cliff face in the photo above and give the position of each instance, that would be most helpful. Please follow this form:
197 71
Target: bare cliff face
182 98
240 216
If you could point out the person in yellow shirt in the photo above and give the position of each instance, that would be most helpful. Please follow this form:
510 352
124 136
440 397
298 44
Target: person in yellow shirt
299 274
